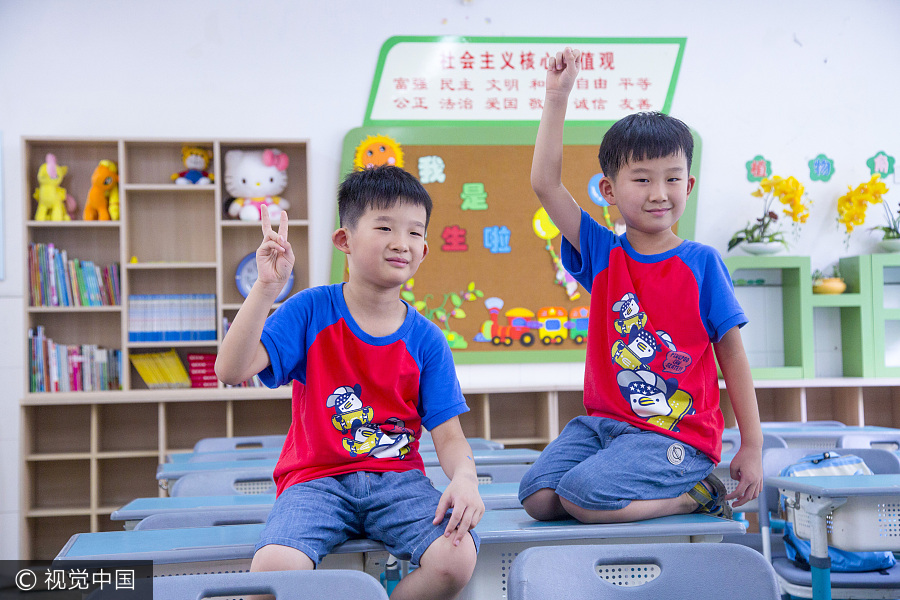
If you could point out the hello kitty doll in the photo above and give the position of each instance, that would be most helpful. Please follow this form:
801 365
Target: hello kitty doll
255 178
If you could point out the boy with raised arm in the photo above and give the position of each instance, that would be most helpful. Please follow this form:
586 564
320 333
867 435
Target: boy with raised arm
660 307
368 373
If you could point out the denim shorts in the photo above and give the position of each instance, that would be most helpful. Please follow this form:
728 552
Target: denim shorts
603 464
396 509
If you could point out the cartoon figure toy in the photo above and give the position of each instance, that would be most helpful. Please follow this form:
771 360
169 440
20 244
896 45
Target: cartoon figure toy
196 160
255 178
103 198
54 204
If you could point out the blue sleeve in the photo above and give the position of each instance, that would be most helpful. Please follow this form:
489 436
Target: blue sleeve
284 337
440 396
595 242
718 304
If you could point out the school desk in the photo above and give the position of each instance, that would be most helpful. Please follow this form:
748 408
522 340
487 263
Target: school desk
829 437
168 472
270 452
504 533
496 496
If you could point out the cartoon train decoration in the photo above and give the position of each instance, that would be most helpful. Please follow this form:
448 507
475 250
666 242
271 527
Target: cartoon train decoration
551 325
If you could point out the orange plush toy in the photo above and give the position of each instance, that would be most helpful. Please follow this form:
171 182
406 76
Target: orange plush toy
103 198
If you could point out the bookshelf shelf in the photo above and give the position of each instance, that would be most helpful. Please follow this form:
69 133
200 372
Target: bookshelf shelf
74 309
73 224
167 266
168 187
175 344
111 441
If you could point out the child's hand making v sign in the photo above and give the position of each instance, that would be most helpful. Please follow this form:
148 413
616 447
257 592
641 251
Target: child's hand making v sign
274 257
241 354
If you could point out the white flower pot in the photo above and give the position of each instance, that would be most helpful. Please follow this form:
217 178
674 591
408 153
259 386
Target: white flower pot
762 248
891 245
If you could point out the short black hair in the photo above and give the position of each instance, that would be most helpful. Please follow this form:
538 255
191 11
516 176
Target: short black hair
644 135
379 187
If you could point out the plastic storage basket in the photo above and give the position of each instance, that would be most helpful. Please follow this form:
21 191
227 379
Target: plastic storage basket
862 524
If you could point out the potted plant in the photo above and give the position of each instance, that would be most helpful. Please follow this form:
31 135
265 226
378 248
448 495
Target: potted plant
765 236
825 284
852 208
890 241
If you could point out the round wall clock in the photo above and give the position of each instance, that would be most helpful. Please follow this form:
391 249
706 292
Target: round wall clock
245 276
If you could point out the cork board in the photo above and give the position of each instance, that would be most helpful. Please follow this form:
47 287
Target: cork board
490 280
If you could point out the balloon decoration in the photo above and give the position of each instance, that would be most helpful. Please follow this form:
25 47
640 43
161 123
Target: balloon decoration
545 229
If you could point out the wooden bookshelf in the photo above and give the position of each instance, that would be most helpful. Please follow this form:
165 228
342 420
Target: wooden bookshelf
87 453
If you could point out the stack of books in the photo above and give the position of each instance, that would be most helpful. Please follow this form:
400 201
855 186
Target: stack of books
68 368
202 371
57 280
161 369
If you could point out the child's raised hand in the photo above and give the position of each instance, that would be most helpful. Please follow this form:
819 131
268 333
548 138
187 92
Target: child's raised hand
274 257
562 70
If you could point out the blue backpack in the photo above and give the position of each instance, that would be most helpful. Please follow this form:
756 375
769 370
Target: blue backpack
831 463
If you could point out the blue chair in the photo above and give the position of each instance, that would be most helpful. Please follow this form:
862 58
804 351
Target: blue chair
224 483
797 581
284 585
884 440
224 444
642 571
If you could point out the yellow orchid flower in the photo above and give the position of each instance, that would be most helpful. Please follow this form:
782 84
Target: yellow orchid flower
852 206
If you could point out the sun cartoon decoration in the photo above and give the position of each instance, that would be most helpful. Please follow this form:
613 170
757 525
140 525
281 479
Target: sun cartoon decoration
378 150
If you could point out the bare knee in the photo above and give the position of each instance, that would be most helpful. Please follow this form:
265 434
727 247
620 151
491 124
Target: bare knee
449 567
544 505
274 557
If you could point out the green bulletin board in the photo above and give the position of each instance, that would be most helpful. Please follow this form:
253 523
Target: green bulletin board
486 187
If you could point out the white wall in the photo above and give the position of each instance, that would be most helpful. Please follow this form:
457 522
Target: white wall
785 79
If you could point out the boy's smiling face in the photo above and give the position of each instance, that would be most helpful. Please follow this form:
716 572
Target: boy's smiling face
651 194
387 245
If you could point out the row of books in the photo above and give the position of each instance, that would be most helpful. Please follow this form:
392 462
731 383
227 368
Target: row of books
68 368
57 280
171 317
254 381
161 369
202 370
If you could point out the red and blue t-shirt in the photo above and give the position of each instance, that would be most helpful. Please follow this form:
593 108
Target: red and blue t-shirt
653 321
359 402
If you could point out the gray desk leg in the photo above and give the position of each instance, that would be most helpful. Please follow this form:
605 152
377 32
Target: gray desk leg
818 508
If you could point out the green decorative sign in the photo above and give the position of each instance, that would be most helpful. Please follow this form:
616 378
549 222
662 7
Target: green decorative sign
758 168
821 168
881 163
428 80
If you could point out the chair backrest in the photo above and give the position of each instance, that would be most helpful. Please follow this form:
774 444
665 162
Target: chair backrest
284 585
235 455
511 473
224 483
774 460
641 571
820 424
219 444
884 440
205 518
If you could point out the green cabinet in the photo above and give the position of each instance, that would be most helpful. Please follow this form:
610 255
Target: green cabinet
869 312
